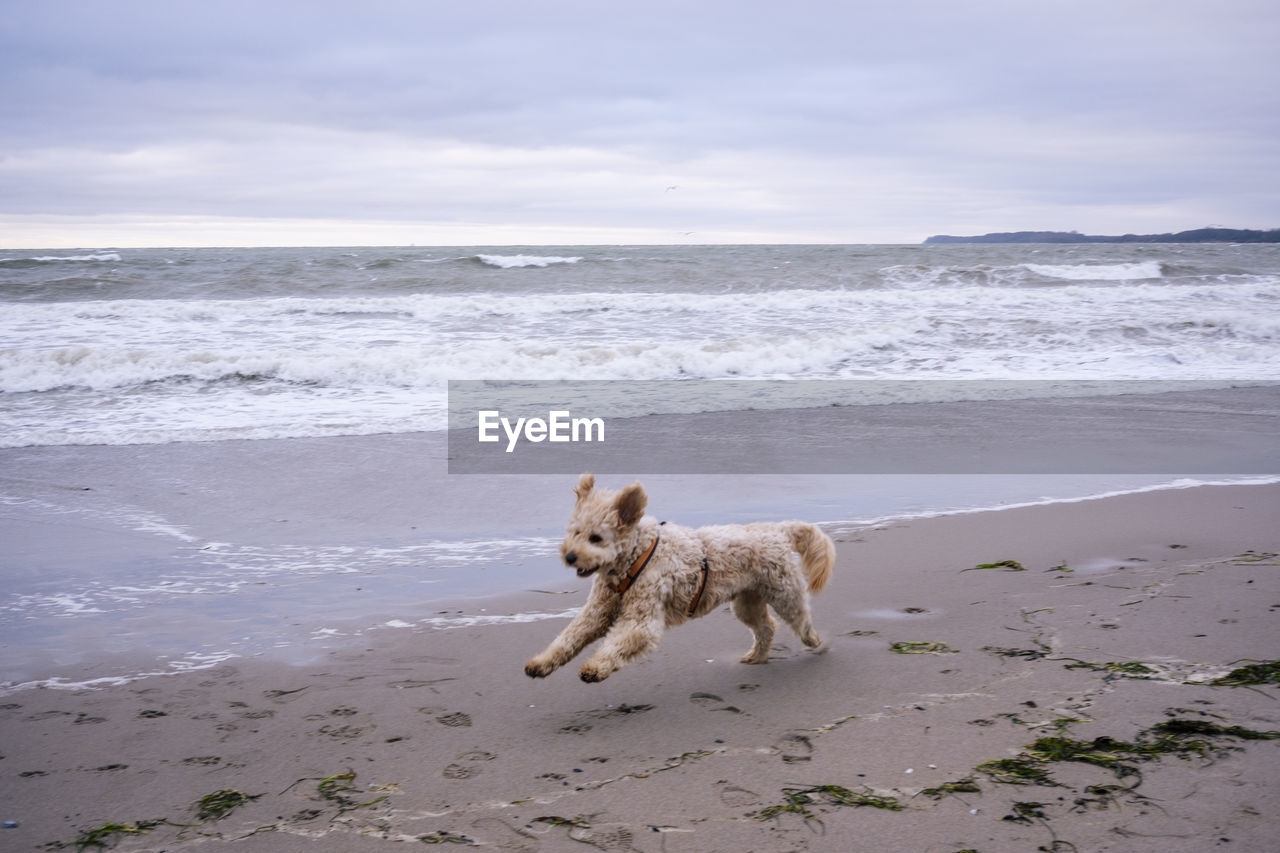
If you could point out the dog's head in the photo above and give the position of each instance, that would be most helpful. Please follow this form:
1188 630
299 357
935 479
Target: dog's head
601 533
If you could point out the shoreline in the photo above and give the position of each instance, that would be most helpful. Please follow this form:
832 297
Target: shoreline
1127 609
145 560
532 605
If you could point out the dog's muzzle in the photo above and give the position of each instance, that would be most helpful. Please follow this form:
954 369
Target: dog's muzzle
571 558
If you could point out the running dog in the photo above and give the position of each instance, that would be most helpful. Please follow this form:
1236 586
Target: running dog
650 575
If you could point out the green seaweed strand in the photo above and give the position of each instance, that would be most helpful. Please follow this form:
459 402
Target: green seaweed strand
1266 672
219 804
1007 565
103 836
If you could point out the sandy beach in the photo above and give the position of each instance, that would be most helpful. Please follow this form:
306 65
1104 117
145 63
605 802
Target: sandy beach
1089 695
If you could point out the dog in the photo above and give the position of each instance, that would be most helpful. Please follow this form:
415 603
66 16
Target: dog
650 576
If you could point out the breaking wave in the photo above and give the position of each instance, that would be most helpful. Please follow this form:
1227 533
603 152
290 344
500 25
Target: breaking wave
112 257
507 262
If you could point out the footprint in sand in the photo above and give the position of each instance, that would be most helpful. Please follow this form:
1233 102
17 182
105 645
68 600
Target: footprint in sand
468 765
343 732
454 720
410 683
621 711
732 795
713 702
580 724
45 715
495 832
794 747
604 839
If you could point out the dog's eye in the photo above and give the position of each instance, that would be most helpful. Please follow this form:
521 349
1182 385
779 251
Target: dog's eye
593 538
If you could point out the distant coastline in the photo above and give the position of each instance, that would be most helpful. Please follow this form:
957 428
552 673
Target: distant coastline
1198 235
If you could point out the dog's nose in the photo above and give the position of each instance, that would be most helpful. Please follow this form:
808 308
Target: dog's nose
571 557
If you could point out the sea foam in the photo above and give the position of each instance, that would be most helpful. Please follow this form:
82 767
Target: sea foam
45 259
1136 271
517 261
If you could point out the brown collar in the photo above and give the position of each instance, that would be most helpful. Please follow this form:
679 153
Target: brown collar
638 566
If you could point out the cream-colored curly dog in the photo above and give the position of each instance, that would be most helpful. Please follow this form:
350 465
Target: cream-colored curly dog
651 575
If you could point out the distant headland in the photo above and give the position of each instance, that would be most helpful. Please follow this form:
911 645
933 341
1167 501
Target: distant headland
1198 235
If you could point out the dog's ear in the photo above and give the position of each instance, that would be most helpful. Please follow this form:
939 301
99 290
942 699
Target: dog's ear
585 483
630 504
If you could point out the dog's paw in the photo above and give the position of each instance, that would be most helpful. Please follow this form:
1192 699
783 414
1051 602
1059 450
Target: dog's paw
592 673
538 668
754 657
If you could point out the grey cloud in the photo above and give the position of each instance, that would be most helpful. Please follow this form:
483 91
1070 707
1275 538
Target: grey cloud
305 109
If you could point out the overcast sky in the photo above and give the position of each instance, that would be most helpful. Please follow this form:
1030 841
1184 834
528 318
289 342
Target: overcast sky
618 121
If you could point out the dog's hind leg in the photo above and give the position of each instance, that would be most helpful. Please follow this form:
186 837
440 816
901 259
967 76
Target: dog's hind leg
793 607
751 609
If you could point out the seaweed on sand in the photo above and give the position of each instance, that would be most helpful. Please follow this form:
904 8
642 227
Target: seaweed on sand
1024 812
339 788
921 647
556 820
445 837
1023 770
1180 737
219 804
1265 672
1135 668
1006 565
105 835
967 785
1175 729
1005 652
797 801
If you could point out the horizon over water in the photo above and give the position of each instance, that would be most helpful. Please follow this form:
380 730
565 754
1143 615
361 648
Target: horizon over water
184 366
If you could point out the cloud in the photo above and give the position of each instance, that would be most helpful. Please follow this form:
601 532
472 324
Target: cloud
810 121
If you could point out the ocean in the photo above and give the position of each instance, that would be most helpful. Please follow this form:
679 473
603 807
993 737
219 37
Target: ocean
161 345
118 367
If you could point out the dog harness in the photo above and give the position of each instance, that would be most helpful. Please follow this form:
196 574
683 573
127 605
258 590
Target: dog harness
643 560
702 585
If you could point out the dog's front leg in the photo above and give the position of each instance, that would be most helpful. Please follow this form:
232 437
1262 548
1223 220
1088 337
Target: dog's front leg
627 640
588 626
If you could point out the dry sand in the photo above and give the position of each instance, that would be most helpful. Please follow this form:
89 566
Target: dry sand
436 736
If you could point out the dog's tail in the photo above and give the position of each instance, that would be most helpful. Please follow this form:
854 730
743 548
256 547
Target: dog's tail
817 553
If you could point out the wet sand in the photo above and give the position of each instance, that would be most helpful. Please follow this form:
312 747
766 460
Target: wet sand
1125 613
